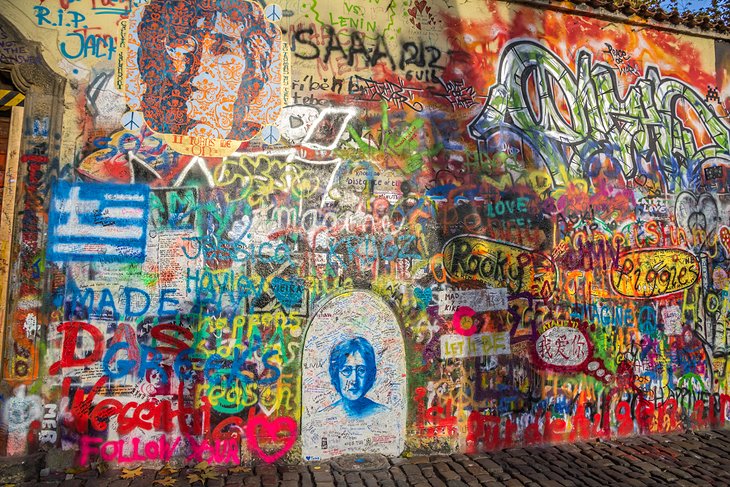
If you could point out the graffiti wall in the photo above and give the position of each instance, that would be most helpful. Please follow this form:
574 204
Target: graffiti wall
290 231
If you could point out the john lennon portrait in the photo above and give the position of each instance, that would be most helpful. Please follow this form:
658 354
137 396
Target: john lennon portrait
353 379
352 371
207 68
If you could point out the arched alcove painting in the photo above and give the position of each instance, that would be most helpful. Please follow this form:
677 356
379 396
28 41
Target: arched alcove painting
353 379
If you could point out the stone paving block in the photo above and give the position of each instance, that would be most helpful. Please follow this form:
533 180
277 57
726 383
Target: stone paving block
489 465
252 482
446 476
604 463
554 476
516 461
428 472
397 473
468 478
706 452
687 445
638 474
517 452
265 470
704 475
446 473
474 469
436 482
634 482
526 470
502 476
582 463
712 470
685 483
590 482
117 483
49 476
417 480
456 467
567 448
549 483
647 467
269 480
369 479
351 478
680 473
100 482
477 471
666 476
561 464
410 470
722 442
320 476
484 478
91 473
620 476
525 480
568 482
141 481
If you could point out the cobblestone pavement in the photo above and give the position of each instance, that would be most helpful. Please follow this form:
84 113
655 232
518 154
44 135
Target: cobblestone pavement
701 458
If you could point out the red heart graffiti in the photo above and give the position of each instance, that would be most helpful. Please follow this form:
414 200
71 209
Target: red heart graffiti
271 431
421 5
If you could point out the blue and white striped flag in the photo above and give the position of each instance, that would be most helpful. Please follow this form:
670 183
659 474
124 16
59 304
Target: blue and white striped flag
98 222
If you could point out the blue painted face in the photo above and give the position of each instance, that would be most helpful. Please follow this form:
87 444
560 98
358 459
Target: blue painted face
352 368
352 377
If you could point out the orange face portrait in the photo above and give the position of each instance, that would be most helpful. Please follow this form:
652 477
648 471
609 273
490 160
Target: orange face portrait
207 69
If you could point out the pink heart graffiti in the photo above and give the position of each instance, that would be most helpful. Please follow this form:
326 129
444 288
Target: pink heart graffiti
271 431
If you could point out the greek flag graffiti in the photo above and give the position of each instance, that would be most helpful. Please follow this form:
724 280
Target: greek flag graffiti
98 222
